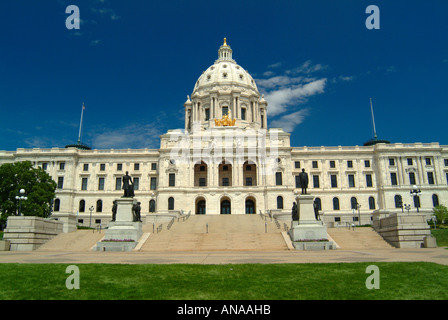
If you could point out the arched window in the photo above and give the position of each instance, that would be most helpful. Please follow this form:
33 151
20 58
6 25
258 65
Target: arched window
82 206
435 200
152 205
99 206
371 203
170 203
279 202
335 204
398 201
57 205
354 203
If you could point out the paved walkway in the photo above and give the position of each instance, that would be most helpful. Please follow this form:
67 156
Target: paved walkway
436 255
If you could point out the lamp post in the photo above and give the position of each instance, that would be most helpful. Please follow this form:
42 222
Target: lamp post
358 206
90 222
21 197
416 192
407 207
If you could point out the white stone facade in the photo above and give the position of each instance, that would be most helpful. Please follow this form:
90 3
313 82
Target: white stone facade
243 168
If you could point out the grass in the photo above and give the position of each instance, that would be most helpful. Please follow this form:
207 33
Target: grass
419 280
441 236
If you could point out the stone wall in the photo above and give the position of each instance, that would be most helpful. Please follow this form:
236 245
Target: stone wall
27 233
402 230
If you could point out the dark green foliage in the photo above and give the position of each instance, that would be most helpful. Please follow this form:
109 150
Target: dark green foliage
39 187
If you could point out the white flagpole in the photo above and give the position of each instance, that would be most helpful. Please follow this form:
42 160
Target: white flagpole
80 124
373 119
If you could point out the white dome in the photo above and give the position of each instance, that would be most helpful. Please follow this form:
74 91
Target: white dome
225 73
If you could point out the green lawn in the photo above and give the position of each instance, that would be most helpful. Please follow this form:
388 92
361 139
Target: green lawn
441 236
225 282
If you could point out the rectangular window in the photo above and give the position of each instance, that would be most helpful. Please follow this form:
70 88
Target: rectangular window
243 113
298 182
225 182
153 166
118 184
367 163
62 166
102 167
278 178
60 182
172 180
207 114
101 184
428 161
334 181
430 178
314 164
316 183
391 161
332 164
446 162
349 164
136 166
248 181
409 161
136 183
225 110
369 180
84 184
297 164
202 182
86 167
412 178
351 181
393 178
153 183
119 166
44 166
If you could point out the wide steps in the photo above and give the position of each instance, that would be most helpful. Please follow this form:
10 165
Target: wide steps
79 240
216 233
359 238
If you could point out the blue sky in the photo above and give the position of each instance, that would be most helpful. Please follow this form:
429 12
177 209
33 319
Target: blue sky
133 63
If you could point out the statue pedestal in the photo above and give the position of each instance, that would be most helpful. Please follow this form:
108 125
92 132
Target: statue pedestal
124 233
307 233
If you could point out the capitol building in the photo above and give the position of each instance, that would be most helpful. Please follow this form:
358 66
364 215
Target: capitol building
227 161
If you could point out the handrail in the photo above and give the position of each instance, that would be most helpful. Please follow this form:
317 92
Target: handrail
170 224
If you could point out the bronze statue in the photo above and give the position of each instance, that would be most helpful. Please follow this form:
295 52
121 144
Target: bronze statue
295 212
114 210
128 186
316 210
136 212
303 179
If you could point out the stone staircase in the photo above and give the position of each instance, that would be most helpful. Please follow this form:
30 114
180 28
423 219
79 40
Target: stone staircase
79 240
224 232
359 238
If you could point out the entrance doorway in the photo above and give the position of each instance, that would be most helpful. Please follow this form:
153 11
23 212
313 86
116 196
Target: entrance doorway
200 207
225 207
250 206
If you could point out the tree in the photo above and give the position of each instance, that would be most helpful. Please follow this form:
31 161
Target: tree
441 213
39 187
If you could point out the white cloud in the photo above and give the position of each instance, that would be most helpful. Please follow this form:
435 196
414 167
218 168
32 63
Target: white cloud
289 121
274 65
307 67
131 136
279 100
